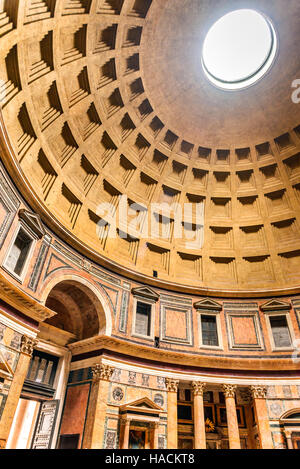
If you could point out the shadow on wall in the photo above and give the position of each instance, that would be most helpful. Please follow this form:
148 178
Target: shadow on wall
78 310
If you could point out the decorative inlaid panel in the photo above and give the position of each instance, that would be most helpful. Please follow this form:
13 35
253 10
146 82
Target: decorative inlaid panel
243 326
176 325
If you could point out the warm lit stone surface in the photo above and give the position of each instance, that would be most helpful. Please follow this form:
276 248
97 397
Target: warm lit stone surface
111 99
190 106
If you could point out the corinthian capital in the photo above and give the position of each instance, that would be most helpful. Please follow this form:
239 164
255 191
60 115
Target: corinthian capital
288 433
229 390
198 388
154 425
124 421
172 384
102 371
28 344
258 392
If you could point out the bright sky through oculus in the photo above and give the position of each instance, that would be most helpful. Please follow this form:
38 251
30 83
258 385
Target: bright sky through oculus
239 48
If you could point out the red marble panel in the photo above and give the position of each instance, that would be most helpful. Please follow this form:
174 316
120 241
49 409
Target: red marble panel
244 331
75 410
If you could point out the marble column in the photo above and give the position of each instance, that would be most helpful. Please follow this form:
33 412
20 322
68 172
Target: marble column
26 350
154 435
199 419
262 418
172 428
249 423
124 437
94 428
232 422
289 441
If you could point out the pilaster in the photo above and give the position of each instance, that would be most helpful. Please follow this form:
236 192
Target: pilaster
260 407
26 350
232 422
199 419
172 428
94 428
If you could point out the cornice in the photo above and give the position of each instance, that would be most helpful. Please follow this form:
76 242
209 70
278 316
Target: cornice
16 298
139 351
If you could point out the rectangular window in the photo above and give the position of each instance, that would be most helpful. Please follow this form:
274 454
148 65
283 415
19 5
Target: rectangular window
223 416
42 368
221 398
143 319
208 396
280 330
19 252
185 412
209 413
209 330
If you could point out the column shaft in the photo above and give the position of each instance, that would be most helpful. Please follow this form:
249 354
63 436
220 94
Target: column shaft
94 428
249 423
232 422
172 427
262 418
15 390
199 419
289 440
154 435
125 439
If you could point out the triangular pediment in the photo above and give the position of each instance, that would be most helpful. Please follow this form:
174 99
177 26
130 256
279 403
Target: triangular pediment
143 403
32 220
275 305
145 292
207 303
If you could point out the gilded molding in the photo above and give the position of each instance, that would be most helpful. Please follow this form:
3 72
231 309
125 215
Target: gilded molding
198 388
102 372
258 392
229 390
172 384
28 344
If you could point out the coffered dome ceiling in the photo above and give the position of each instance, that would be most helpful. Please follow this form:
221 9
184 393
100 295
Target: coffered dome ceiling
108 97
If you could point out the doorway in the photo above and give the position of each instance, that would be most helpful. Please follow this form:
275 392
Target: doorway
137 439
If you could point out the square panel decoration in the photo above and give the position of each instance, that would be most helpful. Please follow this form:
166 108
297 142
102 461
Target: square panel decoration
243 326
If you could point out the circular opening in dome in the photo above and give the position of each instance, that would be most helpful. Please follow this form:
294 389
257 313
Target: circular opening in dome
239 49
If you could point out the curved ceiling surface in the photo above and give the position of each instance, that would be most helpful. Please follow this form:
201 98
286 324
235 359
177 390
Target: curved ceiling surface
108 97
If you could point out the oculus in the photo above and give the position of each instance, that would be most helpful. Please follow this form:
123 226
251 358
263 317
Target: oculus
239 49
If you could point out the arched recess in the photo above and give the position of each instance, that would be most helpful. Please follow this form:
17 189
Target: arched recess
290 422
292 414
81 308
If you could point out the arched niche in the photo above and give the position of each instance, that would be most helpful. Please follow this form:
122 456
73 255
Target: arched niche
290 421
80 307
